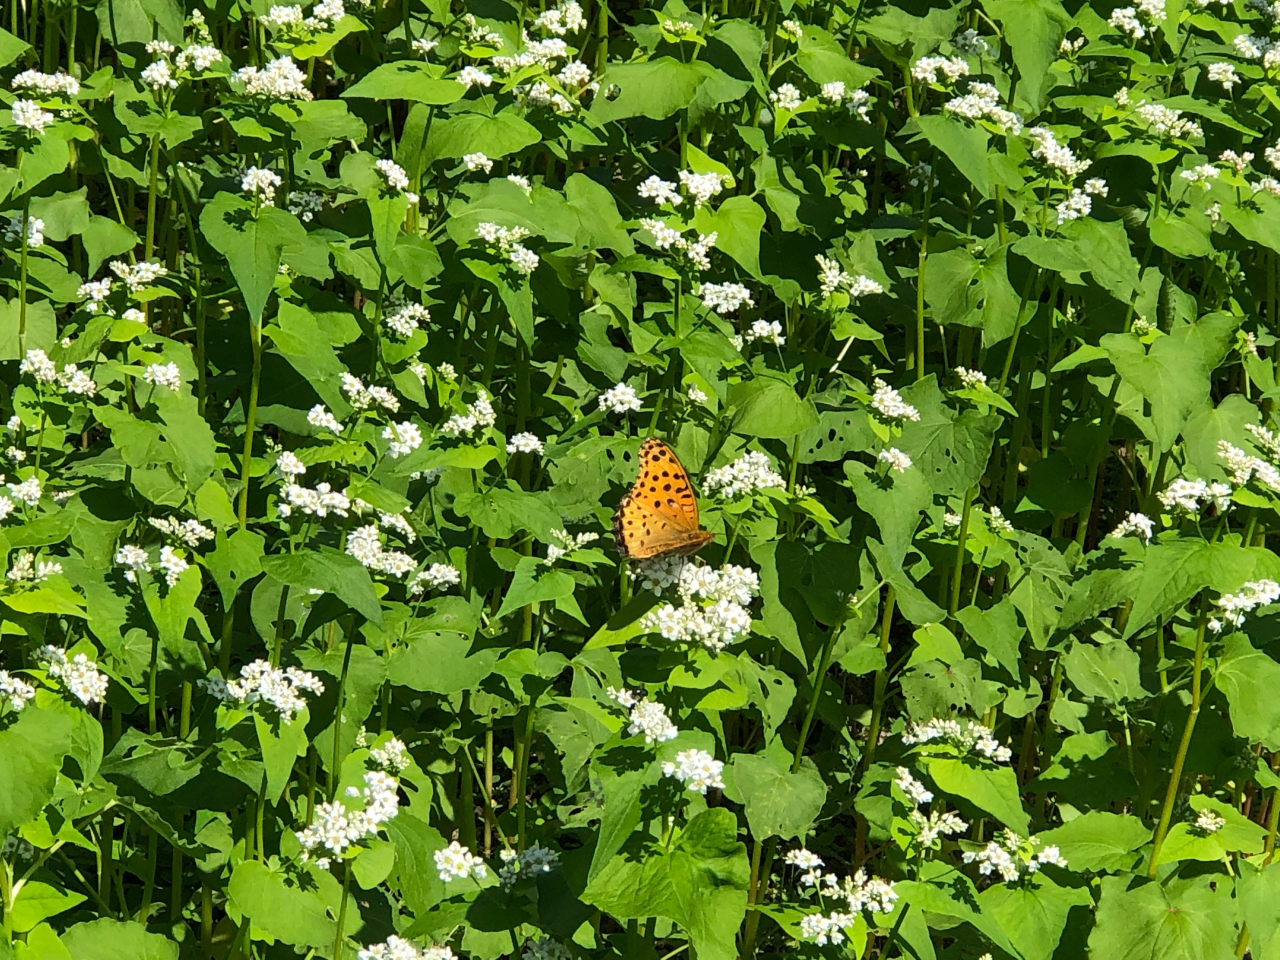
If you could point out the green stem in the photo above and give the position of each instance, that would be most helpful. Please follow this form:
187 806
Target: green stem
1175 775
881 682
958 568
250 424
151 684
828 647
924 254
22 279
149 883
337 727
1032 278
153 195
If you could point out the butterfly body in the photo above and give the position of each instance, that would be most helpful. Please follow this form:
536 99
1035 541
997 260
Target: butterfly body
659 517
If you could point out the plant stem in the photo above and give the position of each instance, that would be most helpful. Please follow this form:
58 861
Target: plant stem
250 423
1175 775
342 911
334 769
881 682
957 570
153 195
924 254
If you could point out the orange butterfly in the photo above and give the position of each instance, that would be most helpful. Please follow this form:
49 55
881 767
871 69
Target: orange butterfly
659 517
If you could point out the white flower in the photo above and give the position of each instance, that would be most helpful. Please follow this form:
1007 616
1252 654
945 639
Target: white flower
29 115
1009 855
660 191
38 364
396 178
28 491
524 443
456 862
1256 593
163 375
320 502
1209 822
1200 175
478 161
895 458
913 788
79 675
1167 122
793 29
26 569
970 42
971 379
1125 19
260 184
407 319
16 690
1096 186
888 403
982 102
46 84
1237 161
34 231
1223 73
435 577
523 259
338 825
786 97
319 416
832 277
1077 205
471 77
928 68
173 564
769 331
138 275
696 395
279 689
283 17
647 717
935 826
405 438
696 769
1055 155
479 414
998 522
825 928
802 858
198 58
521 182
972 737
135 561
279 80
1191 495
664 237
422 47
159 76
620 398
1135 523
527 863
392 756
96 291
748 475
712 610
189 532
77 381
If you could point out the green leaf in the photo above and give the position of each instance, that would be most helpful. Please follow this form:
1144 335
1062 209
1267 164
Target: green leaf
534 582
251 243
1109 671
281 743
1249 678
1259 891
1034 914
1034 30
440 661
117 940
699 883
31 752
769 408
279 906
330 571
1173 375
949 449
654 88
38 901
1143 920
1099 840
779 803
962 144
738 221
992 789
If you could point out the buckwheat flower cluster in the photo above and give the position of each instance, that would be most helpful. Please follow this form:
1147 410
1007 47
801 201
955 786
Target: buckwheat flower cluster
1011 856
928 69
478 161
31 116
913 788
620 398
1209 822
404 437
192 533
1057 156
365 544
318 502
832 277
260 682
1201 175
889 405
456 862
971 43
396 949
647 717
973 738
16 690
46 84
770 331
1125 19
479 414
786 97
529 862
435 577
565 17
748 475
507 241
26 570
859 892
163 375
1235 606
998 522
134 560
1223 73
1244 468
279 80
657 574
1077 205
335 826
696 394
407 319
713 606
38 365
857 101
198 57
696 769
524 443
1168 122
1258 48
933 828
172 564
470 76
305 204
392 756
660 191
362 397
896 460
79 675
971 379
396 179
724 298
1137 524
567 543
1191 496
982 102
260 184
158 75
13 233
28 491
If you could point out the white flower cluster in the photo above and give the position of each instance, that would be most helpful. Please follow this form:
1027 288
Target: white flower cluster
456 862
16 690
507 242
1191 496
1138 524
971 43
318 502
1167 122
365 544
889 405
479 414
25 569
915 790
259 183
697 253
770 331
620 398
568 543
982 102
786 97
435 577
71 378
713 606
260 682
936 826
280 79
336 826
362 397
1244 468
896 460
724 298
1078 204
972 737
392 756
13 233
1223 73
748 475
396 949
404 438
78 675
1055 155
545 948
565 17
647 717
970 379
1011 856
165 375
1258 48
31 116
696 769
928 69
319 416
407 319
836 93
478 161
860 892
305 204
1209 822
1201 175
198 57
832 277
46 84
1234 606
189 532
528 863
525 443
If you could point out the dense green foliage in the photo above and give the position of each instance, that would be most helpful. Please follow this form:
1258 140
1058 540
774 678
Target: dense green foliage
328 338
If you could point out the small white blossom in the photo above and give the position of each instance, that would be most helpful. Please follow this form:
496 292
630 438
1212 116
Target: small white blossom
748 475
524 443
696 769
620 398
456 862
405 438
478 161
260 184
135 561
1209 822
895 458
435 577
163 375
31 116
281 79
786 97
770 331
929 68
1138 524
78 675
890 406
34 231
473 77
319 416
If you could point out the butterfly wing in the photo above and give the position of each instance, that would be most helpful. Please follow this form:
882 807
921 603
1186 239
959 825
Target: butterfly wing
659 517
